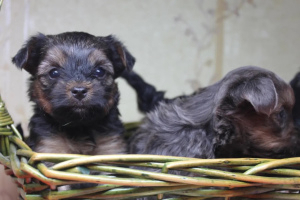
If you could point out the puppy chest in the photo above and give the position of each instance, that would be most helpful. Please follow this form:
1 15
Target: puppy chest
96 145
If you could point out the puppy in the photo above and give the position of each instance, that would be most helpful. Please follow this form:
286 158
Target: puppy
74 92
246 114
295 83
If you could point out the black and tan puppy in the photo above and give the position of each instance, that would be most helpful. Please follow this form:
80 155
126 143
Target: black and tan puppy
246 114
74 92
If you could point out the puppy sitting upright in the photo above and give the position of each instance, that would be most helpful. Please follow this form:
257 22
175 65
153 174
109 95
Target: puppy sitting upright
246 114
75 95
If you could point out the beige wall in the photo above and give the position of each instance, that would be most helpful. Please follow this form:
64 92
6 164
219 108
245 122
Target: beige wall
179 44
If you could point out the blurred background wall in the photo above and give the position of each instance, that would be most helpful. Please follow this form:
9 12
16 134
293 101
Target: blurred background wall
179 45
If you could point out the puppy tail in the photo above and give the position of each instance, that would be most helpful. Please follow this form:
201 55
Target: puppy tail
147 95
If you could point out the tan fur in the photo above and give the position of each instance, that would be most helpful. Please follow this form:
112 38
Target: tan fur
113 144
121 52
98 56
39 96
287 97
264 135
55 57
86 84
271 141
108 144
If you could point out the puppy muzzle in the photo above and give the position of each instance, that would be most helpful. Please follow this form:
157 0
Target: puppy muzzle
79 92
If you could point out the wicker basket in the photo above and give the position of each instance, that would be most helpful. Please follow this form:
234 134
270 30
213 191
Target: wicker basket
243 177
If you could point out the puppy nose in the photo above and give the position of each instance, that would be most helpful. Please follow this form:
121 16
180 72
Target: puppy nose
79 92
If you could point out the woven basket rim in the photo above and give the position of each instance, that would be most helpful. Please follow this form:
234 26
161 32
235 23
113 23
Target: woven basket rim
232 177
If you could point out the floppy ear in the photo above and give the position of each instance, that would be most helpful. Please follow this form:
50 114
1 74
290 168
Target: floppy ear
119 55
29 56
262 94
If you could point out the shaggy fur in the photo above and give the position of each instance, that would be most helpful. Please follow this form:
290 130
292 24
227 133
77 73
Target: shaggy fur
74 93
246 114
295 83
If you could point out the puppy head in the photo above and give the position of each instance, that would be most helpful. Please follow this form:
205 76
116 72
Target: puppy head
258 104
73 73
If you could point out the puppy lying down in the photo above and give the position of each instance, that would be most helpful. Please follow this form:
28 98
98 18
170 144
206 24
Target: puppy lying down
246 114
74 92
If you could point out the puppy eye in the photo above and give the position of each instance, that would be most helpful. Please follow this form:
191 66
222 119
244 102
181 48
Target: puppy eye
99 72
54 73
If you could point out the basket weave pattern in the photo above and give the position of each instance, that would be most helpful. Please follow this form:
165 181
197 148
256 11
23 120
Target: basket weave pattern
242 177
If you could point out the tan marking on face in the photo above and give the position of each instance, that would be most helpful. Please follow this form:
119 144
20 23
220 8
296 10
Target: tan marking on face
38 94
264 132
86 84
108 81
111 101
55 57
98 57
269 141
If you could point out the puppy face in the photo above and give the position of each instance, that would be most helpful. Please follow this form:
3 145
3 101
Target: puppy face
73 74
260 109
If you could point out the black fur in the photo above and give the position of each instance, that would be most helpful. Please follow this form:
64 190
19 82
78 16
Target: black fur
295 83
147 95
246 114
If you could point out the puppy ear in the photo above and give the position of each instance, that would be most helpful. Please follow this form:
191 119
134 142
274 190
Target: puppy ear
119 55
262 94
29 56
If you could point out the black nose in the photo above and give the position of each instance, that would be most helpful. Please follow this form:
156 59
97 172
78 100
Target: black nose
79 92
